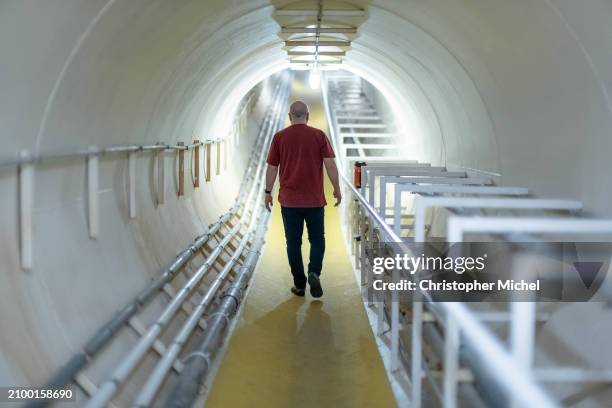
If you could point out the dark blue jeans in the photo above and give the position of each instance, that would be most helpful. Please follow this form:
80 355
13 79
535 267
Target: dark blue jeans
293 220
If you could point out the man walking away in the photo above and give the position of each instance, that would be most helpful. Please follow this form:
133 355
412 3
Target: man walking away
301 152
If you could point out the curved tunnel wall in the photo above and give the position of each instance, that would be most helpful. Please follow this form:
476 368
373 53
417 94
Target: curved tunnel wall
517 89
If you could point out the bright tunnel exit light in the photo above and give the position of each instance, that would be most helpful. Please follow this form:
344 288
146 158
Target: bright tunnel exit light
314 79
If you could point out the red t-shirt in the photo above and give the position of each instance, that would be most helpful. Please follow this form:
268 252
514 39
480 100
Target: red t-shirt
299 150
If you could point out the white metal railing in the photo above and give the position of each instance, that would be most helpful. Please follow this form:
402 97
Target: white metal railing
423 203
460 322
523 315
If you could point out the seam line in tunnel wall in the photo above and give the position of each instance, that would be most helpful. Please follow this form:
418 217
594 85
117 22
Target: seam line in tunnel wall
58 82
587 56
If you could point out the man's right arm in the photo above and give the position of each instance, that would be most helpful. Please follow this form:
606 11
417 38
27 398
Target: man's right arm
271 173
332 173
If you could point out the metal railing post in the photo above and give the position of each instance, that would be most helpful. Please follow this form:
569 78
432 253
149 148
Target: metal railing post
451 362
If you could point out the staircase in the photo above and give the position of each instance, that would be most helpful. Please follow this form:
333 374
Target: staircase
362 132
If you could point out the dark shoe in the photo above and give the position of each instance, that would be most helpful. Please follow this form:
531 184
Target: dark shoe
298 292
316 290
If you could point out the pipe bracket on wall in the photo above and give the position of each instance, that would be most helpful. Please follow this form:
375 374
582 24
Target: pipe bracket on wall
208 159
26 209
93 170
195 164
161 190
132 184
181 170
218 157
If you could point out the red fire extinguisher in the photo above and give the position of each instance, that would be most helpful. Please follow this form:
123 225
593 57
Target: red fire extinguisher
357 173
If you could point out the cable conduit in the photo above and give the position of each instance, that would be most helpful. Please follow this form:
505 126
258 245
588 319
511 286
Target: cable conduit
195 370
160 371
106 333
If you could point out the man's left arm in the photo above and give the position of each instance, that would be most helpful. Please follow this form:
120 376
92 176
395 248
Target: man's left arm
329 161
332 173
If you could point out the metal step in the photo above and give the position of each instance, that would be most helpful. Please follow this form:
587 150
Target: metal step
369 109
374 159
360 122
361 125
342 77
353 106
368 135
359 117
362 104
373 146
355 111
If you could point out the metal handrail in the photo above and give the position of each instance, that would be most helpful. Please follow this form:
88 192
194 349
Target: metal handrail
515 379
25 157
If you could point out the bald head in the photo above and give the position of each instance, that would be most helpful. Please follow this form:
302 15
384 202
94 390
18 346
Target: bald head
298 112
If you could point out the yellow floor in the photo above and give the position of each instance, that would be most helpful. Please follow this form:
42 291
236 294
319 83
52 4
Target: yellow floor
289 351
